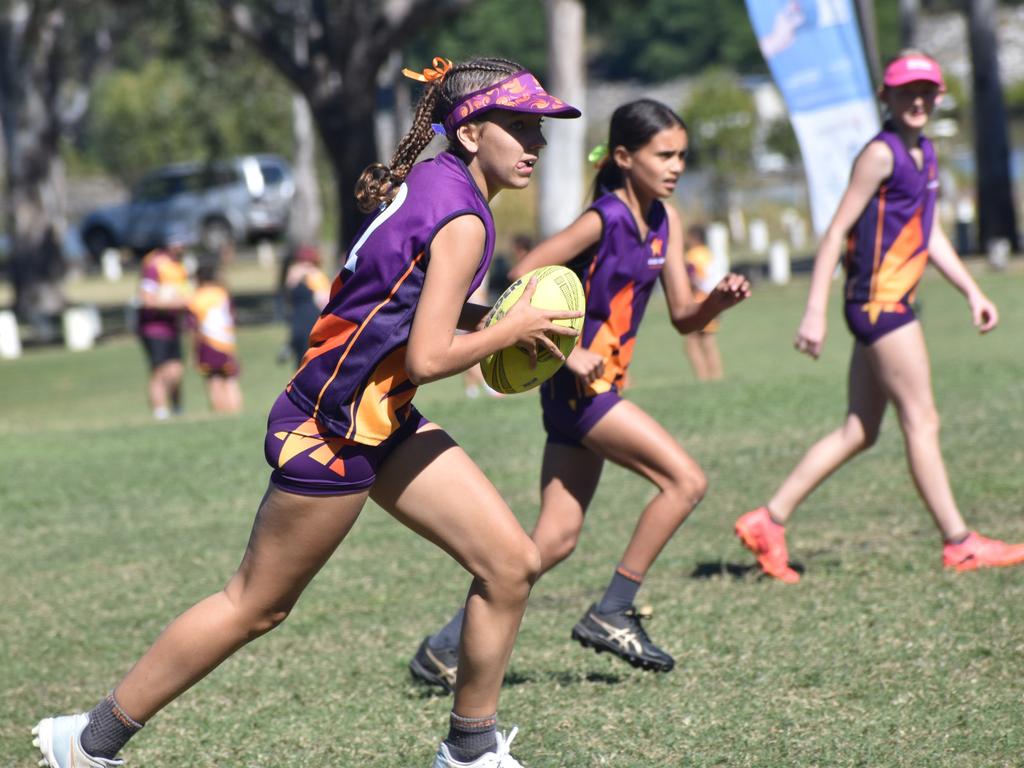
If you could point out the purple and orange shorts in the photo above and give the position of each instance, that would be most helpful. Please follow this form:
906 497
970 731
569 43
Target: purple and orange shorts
310 461
869 326
568 413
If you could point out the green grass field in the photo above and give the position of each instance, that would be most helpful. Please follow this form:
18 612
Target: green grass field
112 524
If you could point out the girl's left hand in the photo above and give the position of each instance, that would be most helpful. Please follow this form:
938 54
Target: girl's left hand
730 291
983 312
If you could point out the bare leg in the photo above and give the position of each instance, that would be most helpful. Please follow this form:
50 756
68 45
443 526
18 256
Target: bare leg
712 358
695 354
292 537
164 385
632 439
867 401
569 477
900 360
225 394
430 485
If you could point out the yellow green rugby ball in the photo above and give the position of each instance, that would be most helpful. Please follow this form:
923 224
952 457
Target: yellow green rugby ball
508 370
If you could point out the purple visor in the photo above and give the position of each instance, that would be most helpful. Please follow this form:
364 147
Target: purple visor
520 92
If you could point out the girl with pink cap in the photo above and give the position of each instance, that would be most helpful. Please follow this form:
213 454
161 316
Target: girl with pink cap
886 221
345 428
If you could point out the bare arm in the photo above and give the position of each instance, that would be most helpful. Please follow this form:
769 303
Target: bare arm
435 350
942 254
689 315
562 247
872 167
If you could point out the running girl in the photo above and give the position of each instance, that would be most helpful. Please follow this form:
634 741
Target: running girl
887 217
213 323
629 239
345 428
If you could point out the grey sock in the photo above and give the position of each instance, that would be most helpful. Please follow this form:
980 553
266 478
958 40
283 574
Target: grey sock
108 730
448 635
621 591
470 737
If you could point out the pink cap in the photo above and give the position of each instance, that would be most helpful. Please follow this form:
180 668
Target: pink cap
913 68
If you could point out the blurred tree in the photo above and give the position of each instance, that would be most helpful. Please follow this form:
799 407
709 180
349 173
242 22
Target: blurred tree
49 52
780 137
510 28
348 43
720 116
561 173
909 10
997 218
670 38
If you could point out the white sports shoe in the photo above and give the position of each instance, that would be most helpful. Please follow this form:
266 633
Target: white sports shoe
500 758
58 740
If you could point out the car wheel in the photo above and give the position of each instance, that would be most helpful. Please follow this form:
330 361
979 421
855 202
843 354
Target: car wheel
216 235
97 240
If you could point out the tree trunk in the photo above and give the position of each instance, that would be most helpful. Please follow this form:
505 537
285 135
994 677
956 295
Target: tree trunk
869 33
347 131
997 218
306 216
561 181
909 10
35 216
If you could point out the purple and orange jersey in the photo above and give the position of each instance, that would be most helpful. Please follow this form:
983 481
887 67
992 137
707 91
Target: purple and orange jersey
161 276
887 248
618 284
353 378
214 322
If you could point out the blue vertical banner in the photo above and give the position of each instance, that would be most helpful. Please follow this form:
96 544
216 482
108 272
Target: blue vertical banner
816 57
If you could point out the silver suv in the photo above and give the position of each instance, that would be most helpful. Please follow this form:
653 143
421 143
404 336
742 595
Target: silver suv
224 202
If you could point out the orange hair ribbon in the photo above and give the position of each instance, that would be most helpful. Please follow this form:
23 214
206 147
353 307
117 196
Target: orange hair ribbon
438 69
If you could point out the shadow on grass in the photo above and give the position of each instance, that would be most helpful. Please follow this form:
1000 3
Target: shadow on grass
734 570
514 678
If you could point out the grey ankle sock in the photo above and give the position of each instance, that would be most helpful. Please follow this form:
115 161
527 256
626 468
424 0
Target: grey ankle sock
470 737
621 591
108 730
448 635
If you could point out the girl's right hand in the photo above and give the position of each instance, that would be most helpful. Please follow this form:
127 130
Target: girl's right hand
810 336
588 366
532 326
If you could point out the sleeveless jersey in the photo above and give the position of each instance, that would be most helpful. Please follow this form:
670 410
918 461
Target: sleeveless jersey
353 378
887 248
618 285
214 321
162 275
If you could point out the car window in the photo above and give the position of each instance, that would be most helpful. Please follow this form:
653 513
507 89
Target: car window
272 173
154 188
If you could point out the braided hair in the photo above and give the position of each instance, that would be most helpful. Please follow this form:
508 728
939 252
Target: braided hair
632 125
378 182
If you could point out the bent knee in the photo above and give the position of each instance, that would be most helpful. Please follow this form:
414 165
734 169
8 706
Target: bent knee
512 568
689 486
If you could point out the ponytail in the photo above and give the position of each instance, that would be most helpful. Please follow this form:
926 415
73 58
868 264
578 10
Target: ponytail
378 183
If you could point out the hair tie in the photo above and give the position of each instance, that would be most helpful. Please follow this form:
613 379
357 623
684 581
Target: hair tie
439 68
598 155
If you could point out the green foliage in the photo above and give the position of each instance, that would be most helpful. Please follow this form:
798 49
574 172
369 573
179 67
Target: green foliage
513 29
168 112
670 38
780 137
720 114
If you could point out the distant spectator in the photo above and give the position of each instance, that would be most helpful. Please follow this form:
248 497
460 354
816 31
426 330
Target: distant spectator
497 278
163 296
216 351
701 346
306 290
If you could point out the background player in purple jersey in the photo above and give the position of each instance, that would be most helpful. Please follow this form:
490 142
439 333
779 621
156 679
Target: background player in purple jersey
886 215
626 240
345 428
